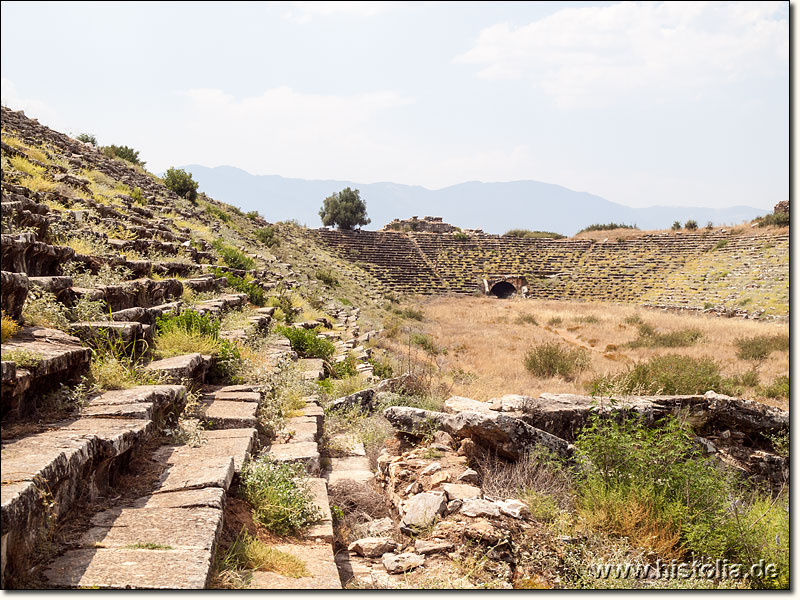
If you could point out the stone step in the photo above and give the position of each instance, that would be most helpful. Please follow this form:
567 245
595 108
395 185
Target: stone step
134 335
305 453
44 474
167 539
55 358
349 468
319 561
184 368
229 414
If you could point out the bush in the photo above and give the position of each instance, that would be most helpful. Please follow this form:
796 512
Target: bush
246 285
773 220
410 313
181 182
233 257
607 227
676 225
551 359
87 138
778 389
267 236
691 225
460 236
526 233
344 209
759 347
42 309
426 342
8 328
654 487
306 343
327 277
123 152
381 368
668 374
279 494
648 338
190 332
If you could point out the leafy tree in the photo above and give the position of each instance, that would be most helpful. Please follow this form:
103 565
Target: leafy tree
676 225
691 225
123 152
87 138
344 209
181 182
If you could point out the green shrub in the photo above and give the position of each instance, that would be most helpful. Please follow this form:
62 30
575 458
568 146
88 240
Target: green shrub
233 257
283 306
773 220
691 225
279 494
460 236
676 225
87 138
427 343
217 212
607 227
721 244
138 195
181 182
649 338
42 309
381 368
344 368
267 235
190 332
759 347
124 153
778 389
24 359
246 285
253 215
410 313
306 343
551 359
327 277
526 233
668 374
526 320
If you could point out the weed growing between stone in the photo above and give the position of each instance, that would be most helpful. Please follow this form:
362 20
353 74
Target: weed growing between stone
8 328
306 343
233 568
279 494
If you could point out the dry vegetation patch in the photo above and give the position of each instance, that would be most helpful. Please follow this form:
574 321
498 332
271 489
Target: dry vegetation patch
482 343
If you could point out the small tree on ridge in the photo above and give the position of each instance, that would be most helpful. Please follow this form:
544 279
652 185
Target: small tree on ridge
345 209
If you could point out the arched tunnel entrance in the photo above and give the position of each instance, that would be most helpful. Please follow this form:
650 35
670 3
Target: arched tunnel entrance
503 289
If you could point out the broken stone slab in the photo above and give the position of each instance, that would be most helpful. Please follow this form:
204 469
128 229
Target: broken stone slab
303 429
305 453
14 291
433 546
373 547
421 510
319 562
456 404
477 507
513 508
141 402
141 292
187 367
203 498
458 491
23 253
312 368
99 333
508 436
402 563
208 465
237 396
380 527
240 444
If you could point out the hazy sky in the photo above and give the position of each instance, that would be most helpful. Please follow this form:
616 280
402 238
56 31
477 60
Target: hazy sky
643 103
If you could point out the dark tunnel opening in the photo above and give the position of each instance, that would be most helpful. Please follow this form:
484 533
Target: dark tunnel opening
503 289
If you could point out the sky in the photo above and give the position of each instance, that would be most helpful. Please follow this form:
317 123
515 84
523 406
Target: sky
655 103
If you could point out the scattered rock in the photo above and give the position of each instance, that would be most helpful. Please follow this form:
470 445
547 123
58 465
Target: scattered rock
476 507
401 563
433 546
373 547
420 510
469 476
460 491
431 469
513 508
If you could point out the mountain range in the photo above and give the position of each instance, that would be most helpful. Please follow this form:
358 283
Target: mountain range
493 207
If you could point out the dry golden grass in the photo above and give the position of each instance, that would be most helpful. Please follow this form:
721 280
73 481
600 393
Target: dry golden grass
486 342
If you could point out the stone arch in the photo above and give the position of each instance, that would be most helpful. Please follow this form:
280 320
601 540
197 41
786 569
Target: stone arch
503 289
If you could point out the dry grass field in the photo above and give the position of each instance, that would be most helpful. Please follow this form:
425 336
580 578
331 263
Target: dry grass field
480 344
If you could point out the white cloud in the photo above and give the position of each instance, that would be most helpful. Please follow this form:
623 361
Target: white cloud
593 56
304 12
36 109
286 132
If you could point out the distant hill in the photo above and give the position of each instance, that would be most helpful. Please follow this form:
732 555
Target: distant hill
493 207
